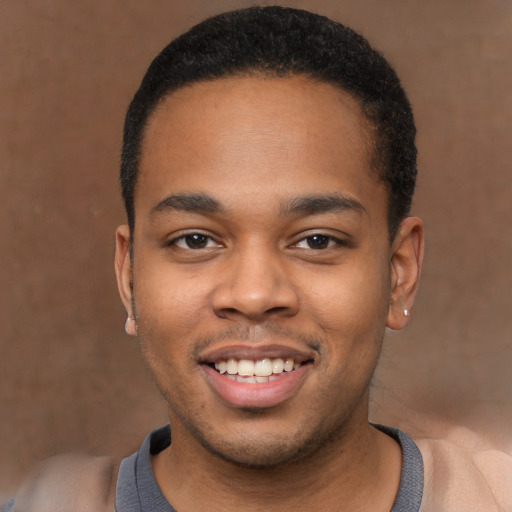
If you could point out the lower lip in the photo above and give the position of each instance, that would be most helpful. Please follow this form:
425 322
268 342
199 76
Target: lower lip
259 395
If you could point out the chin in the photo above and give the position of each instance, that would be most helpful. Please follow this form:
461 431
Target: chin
257 456
271 450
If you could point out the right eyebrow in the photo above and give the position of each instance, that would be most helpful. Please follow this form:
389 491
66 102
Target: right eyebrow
319 204
195 203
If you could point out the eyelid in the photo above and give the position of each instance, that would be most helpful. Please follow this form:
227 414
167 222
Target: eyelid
331 242
340 239
176 237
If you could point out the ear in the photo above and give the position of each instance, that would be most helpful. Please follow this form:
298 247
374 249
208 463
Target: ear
122 265
406 262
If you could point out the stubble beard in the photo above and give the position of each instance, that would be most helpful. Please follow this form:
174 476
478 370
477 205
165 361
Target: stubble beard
308 439
314 435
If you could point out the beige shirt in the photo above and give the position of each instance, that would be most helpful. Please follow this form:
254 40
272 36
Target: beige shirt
462 474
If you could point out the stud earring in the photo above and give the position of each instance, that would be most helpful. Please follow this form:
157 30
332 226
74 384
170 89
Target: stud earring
128 328
406 312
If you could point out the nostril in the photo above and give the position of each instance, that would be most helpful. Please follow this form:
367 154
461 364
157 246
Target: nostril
254 295
277 309
227 312
255 314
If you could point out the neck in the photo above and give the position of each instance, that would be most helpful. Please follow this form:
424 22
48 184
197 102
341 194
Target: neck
358 471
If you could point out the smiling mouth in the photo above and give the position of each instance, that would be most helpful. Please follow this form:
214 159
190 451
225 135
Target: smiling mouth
255 372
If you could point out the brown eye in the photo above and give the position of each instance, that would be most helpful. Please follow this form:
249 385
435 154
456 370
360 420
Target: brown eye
318 241
196 241
193 241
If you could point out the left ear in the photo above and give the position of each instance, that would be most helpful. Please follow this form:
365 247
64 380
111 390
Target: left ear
406 262
122 266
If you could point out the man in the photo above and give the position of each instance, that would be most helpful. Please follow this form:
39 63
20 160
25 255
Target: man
268 170
268 167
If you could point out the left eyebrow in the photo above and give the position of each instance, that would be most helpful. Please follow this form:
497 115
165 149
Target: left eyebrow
316 205
196 203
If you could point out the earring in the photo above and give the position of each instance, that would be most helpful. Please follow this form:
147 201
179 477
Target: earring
406 312
128 328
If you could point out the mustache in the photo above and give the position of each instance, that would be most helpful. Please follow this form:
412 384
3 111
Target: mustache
268 331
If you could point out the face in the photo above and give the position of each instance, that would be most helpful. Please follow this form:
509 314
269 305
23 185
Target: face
263 275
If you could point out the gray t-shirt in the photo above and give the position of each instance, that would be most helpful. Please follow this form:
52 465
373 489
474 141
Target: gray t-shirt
138 491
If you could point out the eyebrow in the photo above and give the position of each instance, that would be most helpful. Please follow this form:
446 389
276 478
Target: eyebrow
302 205
318 204
196 203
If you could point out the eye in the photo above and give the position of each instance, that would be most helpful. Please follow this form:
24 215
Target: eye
318 242
194 241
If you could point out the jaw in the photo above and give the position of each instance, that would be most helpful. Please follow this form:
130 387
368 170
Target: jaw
266 437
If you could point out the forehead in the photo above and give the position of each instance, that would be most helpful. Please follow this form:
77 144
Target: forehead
248 132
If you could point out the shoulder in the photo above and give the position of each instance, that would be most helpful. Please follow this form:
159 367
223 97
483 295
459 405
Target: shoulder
70 482
463 473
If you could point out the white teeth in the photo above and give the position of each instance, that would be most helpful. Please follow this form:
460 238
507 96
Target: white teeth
263 370
232 366
247 380
277 366
245 367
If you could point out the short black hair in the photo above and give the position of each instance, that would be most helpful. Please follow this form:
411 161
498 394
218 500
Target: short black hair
283 41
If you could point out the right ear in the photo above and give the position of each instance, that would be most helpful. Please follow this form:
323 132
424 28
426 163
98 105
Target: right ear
123 269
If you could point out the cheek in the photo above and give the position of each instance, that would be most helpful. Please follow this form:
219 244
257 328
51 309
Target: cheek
168 313
351 307
349 300
169 302
167 316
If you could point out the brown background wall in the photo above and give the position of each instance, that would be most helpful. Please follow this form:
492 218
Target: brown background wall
69 376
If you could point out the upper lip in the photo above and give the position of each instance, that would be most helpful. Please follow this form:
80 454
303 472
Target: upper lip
255 353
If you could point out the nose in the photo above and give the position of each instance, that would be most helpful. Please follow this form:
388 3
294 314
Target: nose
254 286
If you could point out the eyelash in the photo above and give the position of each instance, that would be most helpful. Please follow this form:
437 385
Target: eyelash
330 240
208 239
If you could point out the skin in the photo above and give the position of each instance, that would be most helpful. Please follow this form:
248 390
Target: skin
261 229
